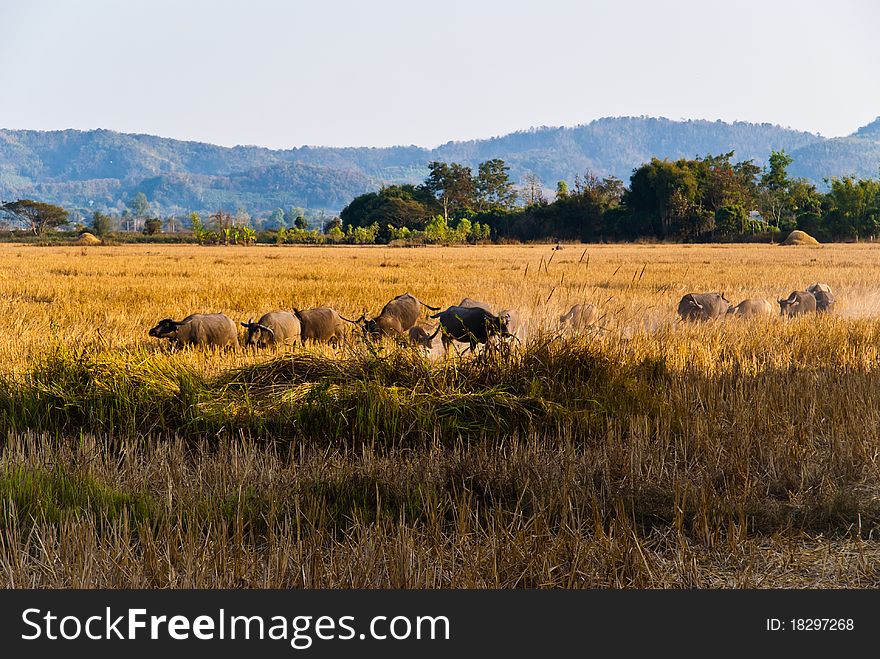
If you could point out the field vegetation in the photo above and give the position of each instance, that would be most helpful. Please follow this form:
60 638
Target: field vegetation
644 453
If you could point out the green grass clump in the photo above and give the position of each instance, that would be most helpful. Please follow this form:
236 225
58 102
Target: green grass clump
361 396
50 495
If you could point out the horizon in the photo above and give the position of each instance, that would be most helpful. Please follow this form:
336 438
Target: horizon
391 74
439 144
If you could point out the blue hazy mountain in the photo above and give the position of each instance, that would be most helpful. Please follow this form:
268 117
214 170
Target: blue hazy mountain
104 169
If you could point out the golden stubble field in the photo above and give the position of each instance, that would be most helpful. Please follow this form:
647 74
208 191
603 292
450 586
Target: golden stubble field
648 453
111 296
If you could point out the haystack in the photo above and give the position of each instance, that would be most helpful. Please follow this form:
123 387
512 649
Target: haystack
798 237
87 238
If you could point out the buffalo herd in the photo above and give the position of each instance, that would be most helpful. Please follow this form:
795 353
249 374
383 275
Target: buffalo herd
816 298
469 322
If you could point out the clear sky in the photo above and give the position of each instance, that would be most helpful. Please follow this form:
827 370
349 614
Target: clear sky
383 72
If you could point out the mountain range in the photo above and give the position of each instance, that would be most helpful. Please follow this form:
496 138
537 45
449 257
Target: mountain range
103 169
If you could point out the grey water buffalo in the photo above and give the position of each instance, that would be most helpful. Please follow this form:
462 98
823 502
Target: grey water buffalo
273 328
814 288
472 325
579 317
200 329
824 301
752 308
798 303
321 324
474 304
515 326
703 306
396 317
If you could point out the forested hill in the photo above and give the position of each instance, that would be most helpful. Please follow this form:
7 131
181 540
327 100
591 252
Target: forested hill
104 169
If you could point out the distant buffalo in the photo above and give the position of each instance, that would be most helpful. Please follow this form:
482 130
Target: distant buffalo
321 324
579 317
703 306
396 317
798 303
824 301
273 328
824 297
814 288
212 329
751 309
472 325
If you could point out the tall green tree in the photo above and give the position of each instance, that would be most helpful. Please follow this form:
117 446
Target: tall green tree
665 192
776 177
452 185
853 208
101 224
561 190
36 216
493 187
775 198
152 226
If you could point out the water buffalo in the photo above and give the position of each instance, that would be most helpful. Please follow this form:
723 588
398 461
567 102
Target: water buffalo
751 309
824 301
419 336
396 317
579 317
515 326
514 321
211 329
799 302
814 288
273 328
321 324
473 325
474 304
703 306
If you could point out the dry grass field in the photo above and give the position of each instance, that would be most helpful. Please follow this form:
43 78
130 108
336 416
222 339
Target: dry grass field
647 453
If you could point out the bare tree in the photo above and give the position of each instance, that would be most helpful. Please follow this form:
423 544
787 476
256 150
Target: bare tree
532 190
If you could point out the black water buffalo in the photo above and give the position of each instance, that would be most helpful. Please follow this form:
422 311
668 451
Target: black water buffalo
472 325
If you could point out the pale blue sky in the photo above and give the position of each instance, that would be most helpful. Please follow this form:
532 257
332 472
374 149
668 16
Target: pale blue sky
382 72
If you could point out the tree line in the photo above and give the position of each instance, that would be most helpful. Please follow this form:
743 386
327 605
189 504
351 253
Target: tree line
709 198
